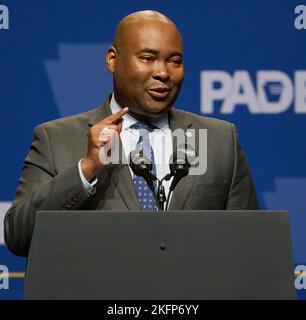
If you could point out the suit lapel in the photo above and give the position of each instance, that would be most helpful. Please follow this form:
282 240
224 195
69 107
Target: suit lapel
122 179
119 173
181 192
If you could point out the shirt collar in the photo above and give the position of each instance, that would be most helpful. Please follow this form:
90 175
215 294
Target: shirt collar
162 124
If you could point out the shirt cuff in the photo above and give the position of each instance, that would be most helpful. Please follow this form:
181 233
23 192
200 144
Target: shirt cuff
90 187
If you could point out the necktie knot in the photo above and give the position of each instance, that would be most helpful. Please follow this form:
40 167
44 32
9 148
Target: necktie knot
144 126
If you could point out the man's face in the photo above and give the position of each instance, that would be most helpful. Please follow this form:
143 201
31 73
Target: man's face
148 69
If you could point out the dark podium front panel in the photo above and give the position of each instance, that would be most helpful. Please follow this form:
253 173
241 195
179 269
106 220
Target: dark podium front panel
171 255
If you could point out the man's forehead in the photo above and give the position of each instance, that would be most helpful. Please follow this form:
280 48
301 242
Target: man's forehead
154 35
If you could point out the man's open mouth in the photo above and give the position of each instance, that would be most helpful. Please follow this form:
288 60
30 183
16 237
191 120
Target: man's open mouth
159 92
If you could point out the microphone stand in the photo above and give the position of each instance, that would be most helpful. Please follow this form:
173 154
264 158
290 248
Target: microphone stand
178 172
161 197
160 194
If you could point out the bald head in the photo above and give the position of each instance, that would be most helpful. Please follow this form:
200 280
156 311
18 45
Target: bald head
128 24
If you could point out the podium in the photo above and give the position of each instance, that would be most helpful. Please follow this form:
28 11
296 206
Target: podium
169 255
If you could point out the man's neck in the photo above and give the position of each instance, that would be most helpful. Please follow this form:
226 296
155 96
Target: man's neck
161 122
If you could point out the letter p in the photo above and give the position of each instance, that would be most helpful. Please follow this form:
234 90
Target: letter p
215 85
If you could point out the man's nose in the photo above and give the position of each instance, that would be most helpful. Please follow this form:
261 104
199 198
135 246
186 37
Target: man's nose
161 72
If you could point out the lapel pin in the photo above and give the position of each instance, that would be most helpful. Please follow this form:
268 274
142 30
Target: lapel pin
188 134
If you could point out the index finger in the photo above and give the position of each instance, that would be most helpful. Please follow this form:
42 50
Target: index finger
116 116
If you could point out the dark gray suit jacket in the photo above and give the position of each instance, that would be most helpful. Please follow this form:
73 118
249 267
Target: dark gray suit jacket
51 180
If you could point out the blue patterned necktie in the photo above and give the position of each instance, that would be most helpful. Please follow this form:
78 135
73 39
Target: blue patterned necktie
144 193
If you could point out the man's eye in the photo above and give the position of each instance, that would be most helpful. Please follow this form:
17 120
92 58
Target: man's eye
176 62
147 58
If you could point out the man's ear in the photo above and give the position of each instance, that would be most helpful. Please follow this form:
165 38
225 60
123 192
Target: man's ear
110 59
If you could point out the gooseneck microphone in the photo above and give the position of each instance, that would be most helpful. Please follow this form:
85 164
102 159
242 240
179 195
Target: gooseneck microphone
179 167
142 167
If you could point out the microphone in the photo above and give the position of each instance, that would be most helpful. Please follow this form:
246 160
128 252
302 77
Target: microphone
179 167
179 164
142 167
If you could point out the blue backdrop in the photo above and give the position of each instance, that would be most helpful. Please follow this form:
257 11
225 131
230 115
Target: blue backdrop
244 62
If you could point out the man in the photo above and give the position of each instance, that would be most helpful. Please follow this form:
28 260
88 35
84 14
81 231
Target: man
63 170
